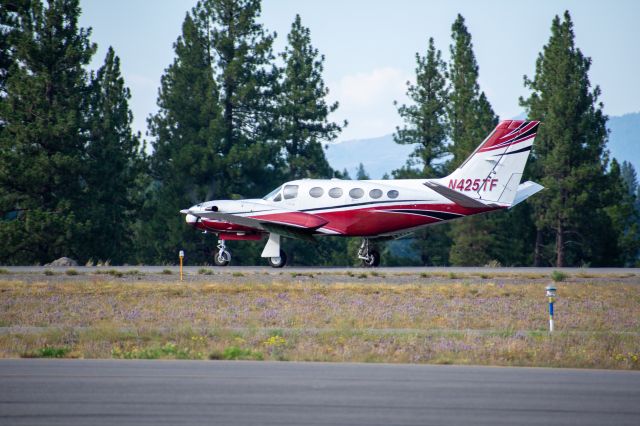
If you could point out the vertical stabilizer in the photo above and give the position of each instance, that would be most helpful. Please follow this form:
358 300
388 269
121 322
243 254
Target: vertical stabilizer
492 173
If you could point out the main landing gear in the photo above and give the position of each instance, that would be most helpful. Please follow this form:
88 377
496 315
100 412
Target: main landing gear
276 257
280 261
369 256
223 256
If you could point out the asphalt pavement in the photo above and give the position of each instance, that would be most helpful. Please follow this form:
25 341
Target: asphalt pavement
119 392
193 270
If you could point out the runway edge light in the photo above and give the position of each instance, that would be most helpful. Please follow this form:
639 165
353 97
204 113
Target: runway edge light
181 256
551 294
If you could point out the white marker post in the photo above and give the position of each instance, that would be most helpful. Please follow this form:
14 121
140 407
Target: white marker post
181 255
551 294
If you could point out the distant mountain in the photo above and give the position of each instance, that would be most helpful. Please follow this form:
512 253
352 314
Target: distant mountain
381 155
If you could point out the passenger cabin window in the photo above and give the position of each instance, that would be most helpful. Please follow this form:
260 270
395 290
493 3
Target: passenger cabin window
356 193
335 192
316 192
375 193
392 194
290 191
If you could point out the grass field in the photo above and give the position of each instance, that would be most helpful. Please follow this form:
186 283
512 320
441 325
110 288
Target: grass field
447 320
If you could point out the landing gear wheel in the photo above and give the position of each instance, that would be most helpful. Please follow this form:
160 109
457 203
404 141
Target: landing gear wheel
372 260
369 256
223 256
278 262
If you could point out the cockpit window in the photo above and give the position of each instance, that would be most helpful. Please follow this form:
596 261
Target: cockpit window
290 191
278 198
272 193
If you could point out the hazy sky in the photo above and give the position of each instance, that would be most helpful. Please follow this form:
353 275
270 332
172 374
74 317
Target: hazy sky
370 47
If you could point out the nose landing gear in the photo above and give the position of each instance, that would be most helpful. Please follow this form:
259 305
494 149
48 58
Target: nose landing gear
223 256
369 256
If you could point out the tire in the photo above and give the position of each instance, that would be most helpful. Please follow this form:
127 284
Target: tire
278 262
374 260
222 258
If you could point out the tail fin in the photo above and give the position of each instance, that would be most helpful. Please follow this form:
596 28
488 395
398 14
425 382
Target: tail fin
492 173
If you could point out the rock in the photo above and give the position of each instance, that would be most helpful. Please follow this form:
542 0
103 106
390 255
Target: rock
63 261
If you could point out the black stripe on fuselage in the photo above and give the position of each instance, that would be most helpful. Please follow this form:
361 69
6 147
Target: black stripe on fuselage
430 213
362 204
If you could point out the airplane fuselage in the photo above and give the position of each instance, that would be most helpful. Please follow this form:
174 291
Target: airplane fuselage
353 208
376 209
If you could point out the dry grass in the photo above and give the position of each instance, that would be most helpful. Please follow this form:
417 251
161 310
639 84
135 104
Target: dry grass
598 324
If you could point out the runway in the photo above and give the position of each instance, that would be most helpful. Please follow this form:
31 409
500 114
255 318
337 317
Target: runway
107 392
194 270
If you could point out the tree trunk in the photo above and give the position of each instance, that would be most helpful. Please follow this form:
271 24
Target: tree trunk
537 250
560 245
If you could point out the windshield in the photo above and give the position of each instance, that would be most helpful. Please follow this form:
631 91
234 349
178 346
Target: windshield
272 193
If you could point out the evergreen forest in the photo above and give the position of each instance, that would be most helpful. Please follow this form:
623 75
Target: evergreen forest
235 119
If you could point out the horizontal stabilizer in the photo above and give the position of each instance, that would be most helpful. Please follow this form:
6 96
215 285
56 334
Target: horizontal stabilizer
526 190
455 196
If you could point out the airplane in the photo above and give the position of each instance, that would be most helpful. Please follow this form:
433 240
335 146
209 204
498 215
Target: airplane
375 210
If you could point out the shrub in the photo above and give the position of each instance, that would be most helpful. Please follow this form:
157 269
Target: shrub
71 272
166 272
235 353
48 352
558 276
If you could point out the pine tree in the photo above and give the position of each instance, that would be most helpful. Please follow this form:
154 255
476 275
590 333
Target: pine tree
302 108
471 118
361 173
425 125
630 177
42 166
214 134
425 120
621 248
115 161
188 161
247 80
470 115
10 14
570 150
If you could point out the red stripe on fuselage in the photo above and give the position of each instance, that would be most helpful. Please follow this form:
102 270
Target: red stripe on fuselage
360 221
376 219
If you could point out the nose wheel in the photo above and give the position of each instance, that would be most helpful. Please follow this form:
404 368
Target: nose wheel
369 256
278 262
222 257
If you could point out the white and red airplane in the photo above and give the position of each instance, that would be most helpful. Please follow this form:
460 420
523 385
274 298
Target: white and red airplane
375 209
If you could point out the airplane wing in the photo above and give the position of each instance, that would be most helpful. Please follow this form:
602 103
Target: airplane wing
455 196
290 223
